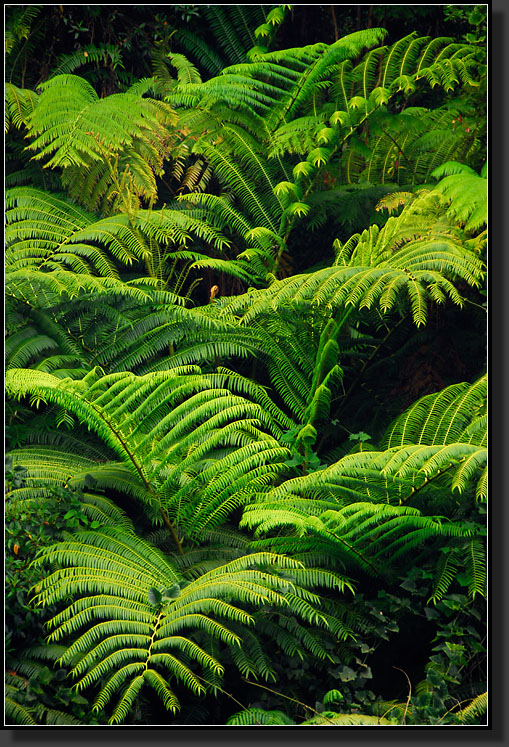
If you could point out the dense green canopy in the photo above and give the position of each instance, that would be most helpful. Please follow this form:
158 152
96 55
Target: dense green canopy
245 365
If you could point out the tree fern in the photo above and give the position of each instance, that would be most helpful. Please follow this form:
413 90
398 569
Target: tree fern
421 457
118 141
225 432
165 428
379 266
131 609
81 109
48 232
297 72
466 192
58 251
260 717
442 418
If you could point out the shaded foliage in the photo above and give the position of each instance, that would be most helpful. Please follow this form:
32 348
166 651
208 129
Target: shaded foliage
246 391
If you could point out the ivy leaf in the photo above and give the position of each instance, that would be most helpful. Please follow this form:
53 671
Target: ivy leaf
154 597
366 672
172 593
290 434
294 462
89 481
464 579
346 674
361 436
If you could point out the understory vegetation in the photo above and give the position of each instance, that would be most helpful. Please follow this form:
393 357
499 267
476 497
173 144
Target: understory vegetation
245 365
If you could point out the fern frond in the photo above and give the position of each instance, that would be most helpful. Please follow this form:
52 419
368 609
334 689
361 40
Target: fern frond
474 710
130 607
19 105
166 429
467 193
442 418
69 111
328 718
86 55
259 717
15 712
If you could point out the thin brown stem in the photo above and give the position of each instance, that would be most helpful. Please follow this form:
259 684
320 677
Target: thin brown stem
245 708
173 531
144 480
275 692
335 23
409 693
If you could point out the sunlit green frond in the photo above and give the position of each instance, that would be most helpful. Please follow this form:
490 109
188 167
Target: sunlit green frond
70 115
346 535
19 104
129 608
259 717
330 718
474 710
389 264
442 418
168 429
467 193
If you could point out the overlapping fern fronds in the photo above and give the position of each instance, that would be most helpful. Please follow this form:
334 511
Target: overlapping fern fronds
413 260
69 113
56 248
267 117
132 619
49 467
404 148
360 92
47 232
280 84
466 191
191 447
232 28
57 251
362 536
362 510
118 142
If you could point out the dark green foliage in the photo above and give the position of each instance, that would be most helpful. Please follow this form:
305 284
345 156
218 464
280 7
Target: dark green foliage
246 406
